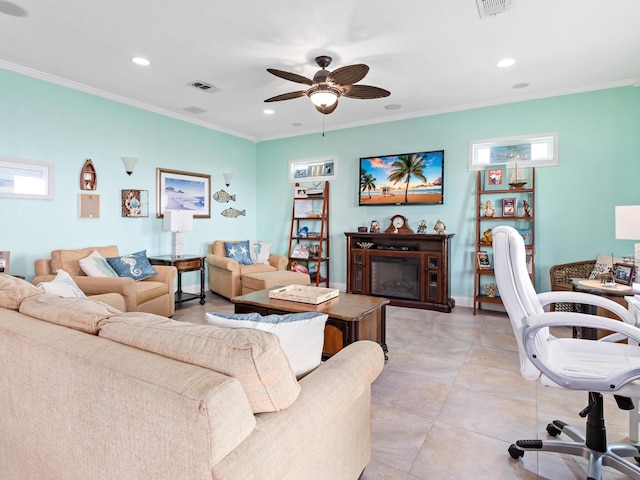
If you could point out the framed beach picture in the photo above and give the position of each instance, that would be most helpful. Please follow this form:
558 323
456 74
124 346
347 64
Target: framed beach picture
494 177
178 190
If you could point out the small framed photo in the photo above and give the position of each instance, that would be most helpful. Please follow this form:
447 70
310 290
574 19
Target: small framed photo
508 207
624 273
483 260
4 261
494 177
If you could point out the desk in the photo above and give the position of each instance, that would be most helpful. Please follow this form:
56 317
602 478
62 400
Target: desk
185 263
351 317
615 293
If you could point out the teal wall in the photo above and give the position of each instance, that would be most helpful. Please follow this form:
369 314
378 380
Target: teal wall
46 122
599 135
599 167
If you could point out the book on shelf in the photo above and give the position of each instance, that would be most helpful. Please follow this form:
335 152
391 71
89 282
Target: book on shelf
483 260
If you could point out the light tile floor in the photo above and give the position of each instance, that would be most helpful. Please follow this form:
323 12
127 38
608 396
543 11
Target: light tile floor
451 400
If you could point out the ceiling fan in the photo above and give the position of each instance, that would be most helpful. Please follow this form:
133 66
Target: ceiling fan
326 87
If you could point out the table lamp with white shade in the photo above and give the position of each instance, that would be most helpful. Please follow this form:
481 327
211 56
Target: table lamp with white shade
628 228
178 221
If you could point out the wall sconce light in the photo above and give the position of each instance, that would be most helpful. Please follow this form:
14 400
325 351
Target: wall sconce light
178 221
129 164
227 178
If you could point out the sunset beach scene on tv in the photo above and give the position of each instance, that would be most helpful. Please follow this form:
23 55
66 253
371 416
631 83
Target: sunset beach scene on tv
405 179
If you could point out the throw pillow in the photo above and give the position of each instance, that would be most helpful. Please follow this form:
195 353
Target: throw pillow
301 334
96 266
239 251
603 265
62 286
135 265
260 251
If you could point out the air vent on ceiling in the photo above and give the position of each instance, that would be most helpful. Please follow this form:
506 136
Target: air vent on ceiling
492 7
205 87
194 109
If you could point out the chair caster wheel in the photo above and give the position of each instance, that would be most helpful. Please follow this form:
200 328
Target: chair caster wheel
553 430
515 452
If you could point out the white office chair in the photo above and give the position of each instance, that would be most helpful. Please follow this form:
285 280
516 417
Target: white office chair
595 367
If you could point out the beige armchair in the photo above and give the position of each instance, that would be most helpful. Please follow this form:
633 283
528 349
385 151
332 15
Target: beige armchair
153 295
225 274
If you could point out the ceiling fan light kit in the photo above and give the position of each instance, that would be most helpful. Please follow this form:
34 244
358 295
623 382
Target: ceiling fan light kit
326 86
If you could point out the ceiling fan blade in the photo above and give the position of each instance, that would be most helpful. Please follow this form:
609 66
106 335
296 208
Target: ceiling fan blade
287 96
327 110
364 92
349 75
293 77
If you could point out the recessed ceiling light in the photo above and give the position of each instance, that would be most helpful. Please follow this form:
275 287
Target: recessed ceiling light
12 9
141 61
393 106
505 62
521 85
296 124
268 111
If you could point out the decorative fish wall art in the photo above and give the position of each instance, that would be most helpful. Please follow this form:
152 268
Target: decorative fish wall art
233 213
223 197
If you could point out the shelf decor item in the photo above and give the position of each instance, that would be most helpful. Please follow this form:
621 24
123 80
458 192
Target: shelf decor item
508 207
494 177
88 177
518 180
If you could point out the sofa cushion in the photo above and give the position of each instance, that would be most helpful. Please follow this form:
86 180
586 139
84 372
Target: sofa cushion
69 260
135 265
14 290
95 265
63 286
239 251
78 313
253 357
260 251
301 334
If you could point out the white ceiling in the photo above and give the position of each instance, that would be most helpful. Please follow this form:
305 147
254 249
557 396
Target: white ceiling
434 56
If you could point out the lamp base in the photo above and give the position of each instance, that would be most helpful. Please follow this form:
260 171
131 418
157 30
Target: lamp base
177 244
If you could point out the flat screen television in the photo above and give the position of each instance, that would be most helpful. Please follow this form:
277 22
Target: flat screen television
405 179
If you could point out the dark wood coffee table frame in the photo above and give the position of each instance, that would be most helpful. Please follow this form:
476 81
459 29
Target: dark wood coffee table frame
351 317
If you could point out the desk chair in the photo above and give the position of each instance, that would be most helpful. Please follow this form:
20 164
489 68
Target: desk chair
597 367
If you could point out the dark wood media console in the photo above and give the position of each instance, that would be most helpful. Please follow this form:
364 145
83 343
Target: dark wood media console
411 270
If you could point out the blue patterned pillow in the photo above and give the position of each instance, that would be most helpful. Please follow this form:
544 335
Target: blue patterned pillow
135 265
239 251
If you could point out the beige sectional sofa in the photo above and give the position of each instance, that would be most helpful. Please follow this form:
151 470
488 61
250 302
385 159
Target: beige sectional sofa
153 295
89 392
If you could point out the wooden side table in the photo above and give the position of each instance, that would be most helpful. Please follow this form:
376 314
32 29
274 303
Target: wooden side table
184 263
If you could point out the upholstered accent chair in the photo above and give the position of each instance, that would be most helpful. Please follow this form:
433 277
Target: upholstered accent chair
225 274
152 295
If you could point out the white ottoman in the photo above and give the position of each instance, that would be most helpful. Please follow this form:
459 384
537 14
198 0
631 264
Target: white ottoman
252 282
